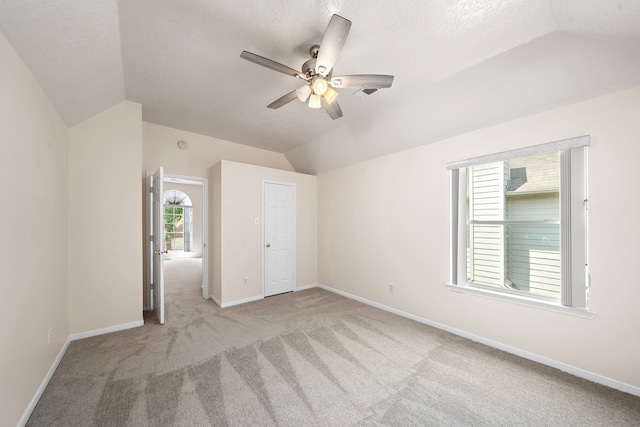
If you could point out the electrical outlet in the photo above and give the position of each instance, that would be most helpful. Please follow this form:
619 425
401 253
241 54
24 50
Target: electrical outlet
50 335
245 281
392 288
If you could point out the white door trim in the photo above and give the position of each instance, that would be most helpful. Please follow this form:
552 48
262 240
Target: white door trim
295 234
147 245
158 247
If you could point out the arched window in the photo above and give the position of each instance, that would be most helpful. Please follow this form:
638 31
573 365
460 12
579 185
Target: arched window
178 221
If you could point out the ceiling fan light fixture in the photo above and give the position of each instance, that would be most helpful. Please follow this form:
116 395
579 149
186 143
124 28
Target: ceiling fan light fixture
330 95
303 92
319 86
314 101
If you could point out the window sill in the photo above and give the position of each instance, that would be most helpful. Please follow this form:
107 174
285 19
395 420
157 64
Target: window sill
530 302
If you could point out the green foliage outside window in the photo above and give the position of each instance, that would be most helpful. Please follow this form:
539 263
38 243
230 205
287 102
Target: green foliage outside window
173 217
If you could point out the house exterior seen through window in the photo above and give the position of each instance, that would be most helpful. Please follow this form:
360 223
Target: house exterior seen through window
513 224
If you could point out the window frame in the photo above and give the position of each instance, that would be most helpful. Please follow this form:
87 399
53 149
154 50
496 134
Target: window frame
573 227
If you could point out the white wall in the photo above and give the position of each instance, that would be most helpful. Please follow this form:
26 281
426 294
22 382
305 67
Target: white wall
160 148
386 220
105 231
33 256
241 239
215 231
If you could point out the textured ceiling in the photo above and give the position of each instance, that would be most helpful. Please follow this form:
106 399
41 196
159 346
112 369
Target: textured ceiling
458 65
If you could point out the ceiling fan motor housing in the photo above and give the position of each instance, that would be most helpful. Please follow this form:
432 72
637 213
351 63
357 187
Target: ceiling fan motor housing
309 68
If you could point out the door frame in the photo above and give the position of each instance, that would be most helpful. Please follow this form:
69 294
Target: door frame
182 179
295 234
148 244
157 262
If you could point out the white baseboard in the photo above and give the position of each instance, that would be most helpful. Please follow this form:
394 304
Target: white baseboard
108 330
43 385
596 378
256 298
305 287
214 299
240 301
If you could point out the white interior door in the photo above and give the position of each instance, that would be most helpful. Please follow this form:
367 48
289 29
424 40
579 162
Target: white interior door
158 245
279 238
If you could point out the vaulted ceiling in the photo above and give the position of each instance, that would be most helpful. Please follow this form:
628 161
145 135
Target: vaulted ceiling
458 65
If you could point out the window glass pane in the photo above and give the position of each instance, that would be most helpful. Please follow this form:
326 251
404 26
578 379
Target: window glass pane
485 255
533 259
532 187
517 257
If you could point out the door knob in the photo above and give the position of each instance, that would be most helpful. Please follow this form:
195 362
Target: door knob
158 252
268 245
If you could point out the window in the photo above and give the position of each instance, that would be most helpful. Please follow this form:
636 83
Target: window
518 224
178 221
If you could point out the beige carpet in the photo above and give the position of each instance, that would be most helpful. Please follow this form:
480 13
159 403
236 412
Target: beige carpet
310 358
183 275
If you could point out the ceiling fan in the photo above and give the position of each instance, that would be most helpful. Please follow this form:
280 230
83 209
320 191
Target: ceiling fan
317 72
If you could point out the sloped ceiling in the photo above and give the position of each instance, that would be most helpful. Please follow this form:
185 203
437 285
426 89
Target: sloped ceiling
458 65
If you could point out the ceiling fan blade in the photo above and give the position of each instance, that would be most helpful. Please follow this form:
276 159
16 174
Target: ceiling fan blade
283 100
332 42
333 109
362 81
266 62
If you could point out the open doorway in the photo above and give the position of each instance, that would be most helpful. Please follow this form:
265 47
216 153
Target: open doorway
182 262
184 237
179 223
